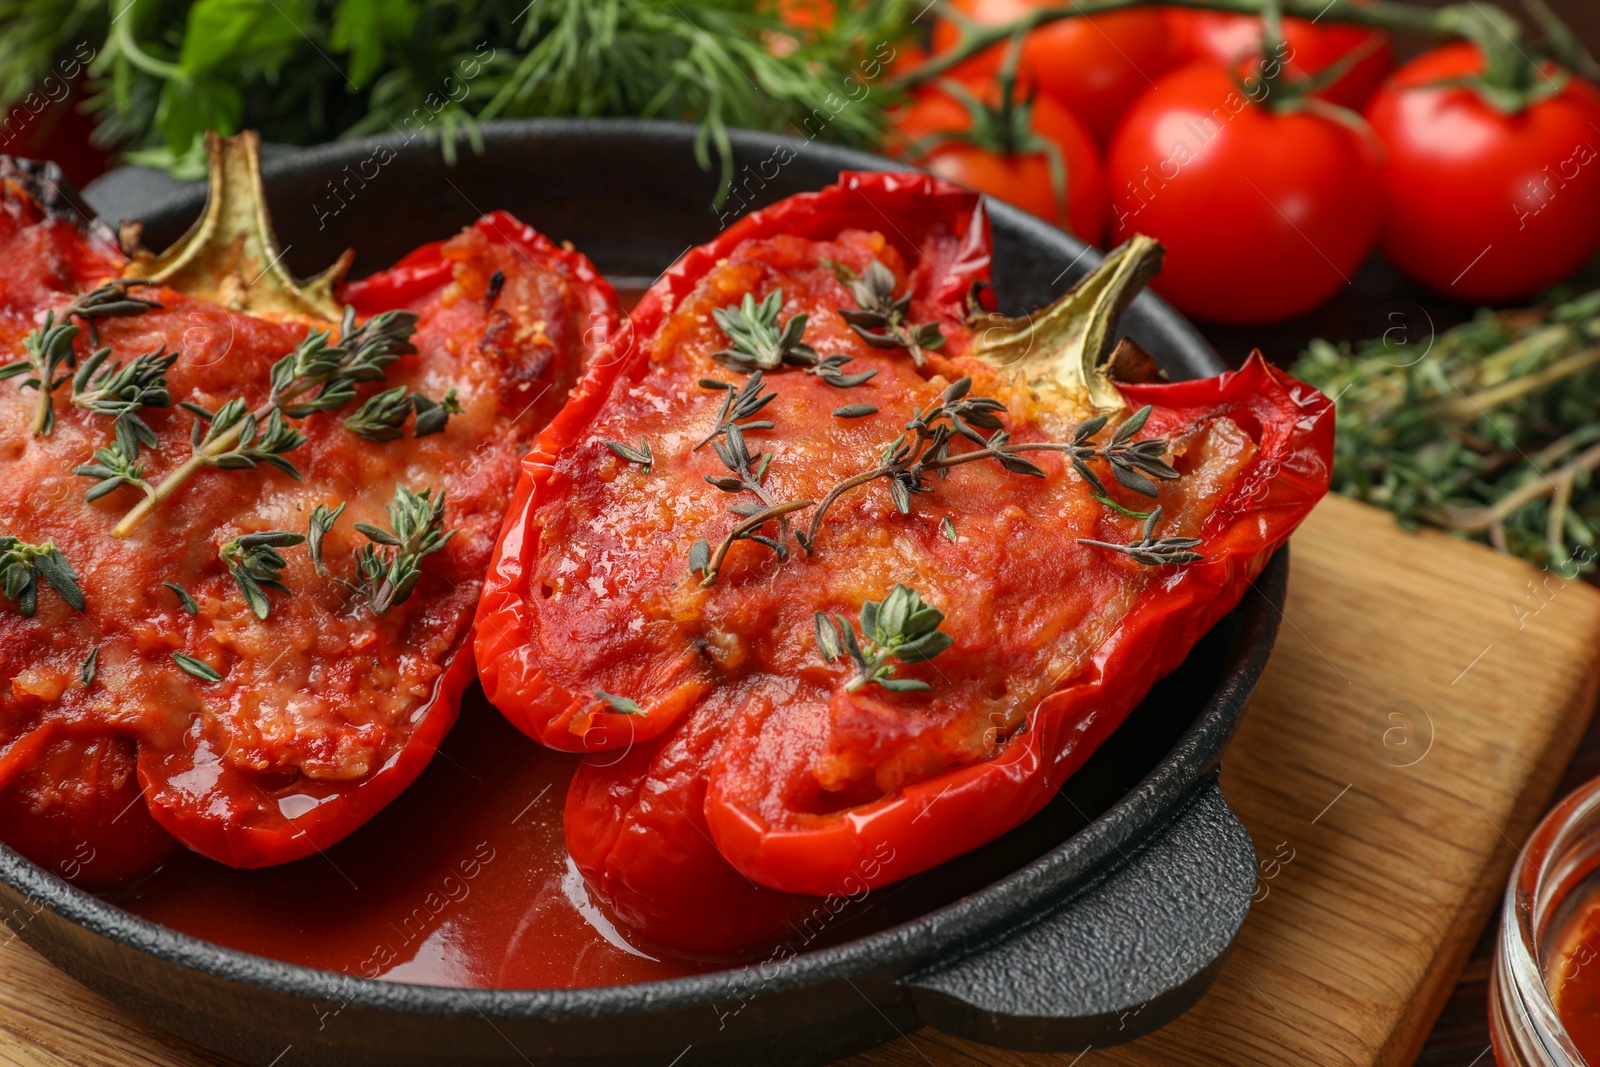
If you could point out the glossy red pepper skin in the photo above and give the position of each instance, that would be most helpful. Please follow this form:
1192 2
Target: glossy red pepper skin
699 821
100 784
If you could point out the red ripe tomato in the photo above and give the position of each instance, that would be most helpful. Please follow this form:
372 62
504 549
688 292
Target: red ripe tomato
1264 215
1312 48
1092 65
1479 204
1024 178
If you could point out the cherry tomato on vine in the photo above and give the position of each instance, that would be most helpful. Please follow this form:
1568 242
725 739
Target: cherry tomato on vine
1265 214
1021 177
1310 49
1091 65
1480 204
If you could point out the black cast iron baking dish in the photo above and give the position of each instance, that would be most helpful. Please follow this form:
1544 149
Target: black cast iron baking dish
1102 918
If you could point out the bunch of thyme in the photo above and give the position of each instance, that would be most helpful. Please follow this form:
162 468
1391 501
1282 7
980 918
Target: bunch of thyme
1490 433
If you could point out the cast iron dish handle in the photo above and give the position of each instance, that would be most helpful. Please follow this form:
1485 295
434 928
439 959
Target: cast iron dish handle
1152 935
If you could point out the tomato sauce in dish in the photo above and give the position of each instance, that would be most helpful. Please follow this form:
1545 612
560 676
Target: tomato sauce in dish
463 881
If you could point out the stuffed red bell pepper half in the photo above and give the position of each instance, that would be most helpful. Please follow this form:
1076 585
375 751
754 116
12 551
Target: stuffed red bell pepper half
835 576
243 524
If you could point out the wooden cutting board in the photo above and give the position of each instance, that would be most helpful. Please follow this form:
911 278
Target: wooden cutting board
1423 698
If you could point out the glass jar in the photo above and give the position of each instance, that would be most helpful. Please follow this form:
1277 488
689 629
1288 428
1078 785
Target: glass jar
1549 935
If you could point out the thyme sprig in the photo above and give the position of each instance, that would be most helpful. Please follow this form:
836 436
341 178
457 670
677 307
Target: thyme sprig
925 449
47 350
759 342
256 565
21 567
117 464
1133 463
316 376
880 318
900 627
382 417
738 405
747 472
119 392
111 300
1487 429
1151 550
389 566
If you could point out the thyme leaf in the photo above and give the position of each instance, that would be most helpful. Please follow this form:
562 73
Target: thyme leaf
830 370
432 415
256 565
322 521
1151 550
855 411
925 449
21 567
900 627
186 600
199 668
622 705
949 529
91 665
640 455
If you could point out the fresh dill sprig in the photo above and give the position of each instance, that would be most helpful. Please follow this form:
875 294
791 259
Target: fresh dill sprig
900 627
21 567
256 565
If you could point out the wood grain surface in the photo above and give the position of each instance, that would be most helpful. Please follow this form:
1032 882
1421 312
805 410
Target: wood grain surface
1423 699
